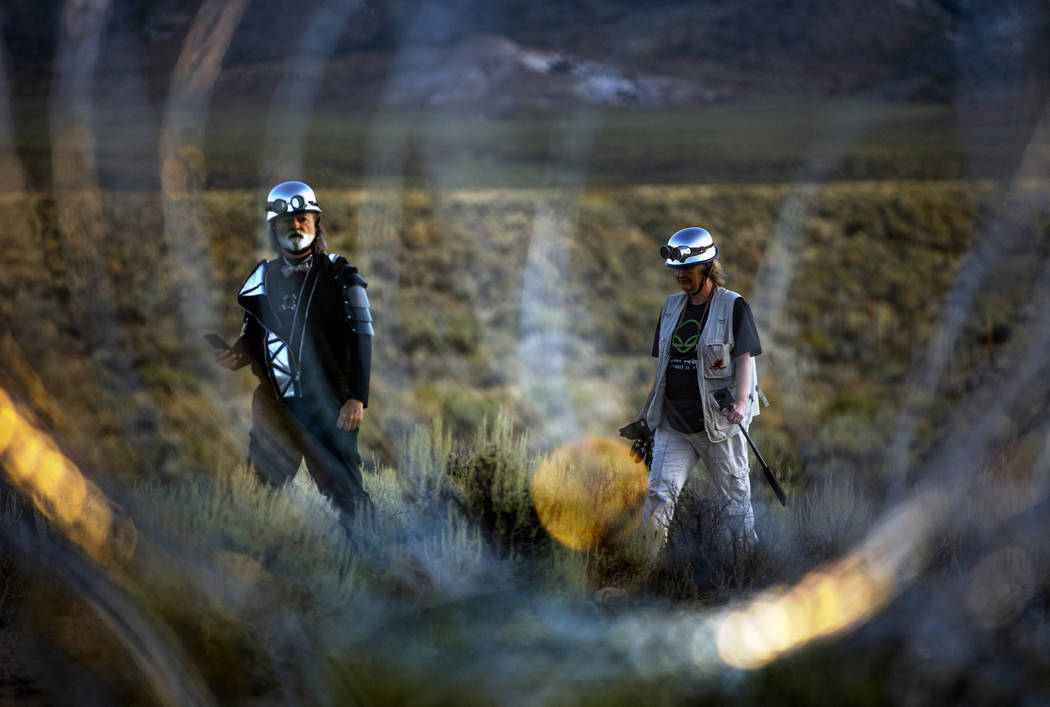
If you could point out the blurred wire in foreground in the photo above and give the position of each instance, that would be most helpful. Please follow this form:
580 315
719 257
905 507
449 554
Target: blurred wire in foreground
33 465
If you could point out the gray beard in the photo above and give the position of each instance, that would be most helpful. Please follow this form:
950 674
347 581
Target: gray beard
300 251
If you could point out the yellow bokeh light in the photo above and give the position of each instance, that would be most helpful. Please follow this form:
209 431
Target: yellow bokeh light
77 507
8 421
823 603
775 623
740 643
834 598
590 491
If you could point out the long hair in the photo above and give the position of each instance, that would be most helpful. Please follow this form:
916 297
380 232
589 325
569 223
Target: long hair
319 246
717 274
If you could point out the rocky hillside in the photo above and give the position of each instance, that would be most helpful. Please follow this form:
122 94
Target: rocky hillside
518 54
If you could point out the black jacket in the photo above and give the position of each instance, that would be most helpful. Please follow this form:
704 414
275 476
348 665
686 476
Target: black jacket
329 361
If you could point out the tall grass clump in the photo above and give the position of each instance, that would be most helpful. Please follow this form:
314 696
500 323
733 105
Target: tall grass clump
700 560
493 479
241 572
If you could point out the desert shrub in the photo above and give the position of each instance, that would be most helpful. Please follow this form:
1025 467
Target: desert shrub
626 567
449 328
494 477
697 562
828 516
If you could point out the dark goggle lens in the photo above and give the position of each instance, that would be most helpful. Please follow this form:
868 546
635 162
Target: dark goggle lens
680 252
281 206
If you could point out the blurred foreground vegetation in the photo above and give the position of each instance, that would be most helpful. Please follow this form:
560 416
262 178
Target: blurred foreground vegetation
455 594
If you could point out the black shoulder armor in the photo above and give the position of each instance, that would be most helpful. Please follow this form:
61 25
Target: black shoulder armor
358 316
343 271
355 301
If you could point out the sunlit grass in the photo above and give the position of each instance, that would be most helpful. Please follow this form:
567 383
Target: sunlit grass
874 258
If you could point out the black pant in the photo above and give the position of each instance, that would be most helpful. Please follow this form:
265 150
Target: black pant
285 431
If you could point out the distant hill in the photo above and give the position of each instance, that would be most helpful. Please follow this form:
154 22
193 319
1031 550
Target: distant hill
533 54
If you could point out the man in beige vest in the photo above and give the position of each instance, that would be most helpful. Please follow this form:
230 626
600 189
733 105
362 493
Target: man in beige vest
705 340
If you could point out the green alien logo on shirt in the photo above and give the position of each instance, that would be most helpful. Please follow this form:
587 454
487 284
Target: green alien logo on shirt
685 336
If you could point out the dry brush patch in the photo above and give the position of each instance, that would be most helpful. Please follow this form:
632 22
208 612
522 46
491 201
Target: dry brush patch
446 273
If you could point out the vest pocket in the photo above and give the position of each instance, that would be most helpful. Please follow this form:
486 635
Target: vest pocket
717 362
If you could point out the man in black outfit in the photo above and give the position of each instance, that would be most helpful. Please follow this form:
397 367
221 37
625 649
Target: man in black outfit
308 336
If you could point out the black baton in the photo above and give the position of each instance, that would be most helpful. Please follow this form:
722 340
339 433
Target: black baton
781 496
724 398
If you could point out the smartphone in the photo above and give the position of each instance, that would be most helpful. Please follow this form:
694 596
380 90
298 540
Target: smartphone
724 398
216 341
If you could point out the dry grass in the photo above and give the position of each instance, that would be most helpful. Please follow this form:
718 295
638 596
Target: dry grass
124 361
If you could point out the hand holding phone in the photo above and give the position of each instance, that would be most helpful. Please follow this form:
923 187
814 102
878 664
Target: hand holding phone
224 354
216 341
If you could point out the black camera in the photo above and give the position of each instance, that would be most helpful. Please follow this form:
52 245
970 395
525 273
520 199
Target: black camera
724 398
636 430
642 449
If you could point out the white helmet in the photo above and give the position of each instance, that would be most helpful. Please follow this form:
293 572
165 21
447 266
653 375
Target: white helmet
289 198
688 246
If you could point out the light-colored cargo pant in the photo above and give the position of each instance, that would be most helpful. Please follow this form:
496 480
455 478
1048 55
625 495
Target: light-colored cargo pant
674 455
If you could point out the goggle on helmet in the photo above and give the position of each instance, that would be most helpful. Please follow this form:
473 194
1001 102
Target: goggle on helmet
289 198
688 246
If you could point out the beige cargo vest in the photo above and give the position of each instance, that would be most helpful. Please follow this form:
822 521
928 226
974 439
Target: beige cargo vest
715 369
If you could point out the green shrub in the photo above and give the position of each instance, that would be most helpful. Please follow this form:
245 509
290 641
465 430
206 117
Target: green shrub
494 479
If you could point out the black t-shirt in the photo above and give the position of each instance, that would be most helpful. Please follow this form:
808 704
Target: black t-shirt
682 394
